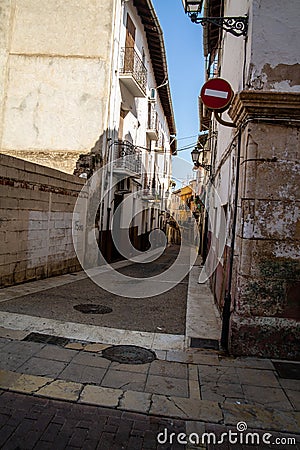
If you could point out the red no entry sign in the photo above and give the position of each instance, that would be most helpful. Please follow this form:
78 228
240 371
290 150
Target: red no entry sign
216 93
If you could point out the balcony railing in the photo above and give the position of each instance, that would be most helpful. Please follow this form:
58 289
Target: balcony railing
133 72
127 159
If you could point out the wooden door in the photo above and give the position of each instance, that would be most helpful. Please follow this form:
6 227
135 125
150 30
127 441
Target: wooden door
129 45
121 124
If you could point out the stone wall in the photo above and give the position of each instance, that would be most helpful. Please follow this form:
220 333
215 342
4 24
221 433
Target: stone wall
265 320
36 206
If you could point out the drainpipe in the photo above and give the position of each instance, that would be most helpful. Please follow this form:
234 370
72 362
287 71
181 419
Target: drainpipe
227 299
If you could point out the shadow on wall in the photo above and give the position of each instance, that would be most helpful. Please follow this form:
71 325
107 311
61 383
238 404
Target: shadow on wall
111 190
35 221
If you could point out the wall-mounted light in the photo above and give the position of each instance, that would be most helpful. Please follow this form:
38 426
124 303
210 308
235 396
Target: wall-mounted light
238 26
192 6
197 158
195 155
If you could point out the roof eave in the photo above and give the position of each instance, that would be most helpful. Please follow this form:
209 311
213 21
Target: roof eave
158 57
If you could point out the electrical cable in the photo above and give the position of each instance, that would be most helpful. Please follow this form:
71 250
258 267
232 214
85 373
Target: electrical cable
187 147
188 137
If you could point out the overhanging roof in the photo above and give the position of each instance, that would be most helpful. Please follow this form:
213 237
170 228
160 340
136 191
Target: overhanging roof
158 56
211 33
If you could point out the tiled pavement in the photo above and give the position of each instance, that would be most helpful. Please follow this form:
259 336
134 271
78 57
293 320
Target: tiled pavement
198 388
69 396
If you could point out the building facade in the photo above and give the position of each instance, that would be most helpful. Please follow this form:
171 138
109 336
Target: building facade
55 77
86 83
254 169
141 128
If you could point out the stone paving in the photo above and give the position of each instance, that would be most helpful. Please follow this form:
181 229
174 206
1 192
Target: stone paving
63 393
203 320
40 423
195 386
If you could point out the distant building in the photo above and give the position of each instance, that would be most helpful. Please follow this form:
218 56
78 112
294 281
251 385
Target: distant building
183 203
255 171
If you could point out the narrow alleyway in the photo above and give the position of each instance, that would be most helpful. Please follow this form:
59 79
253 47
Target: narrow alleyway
163 313
59 388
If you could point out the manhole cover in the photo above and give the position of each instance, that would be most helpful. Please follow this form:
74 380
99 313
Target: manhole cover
89 308
129 354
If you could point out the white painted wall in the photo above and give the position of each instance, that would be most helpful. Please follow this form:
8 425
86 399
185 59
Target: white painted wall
136 120
271 41
53 103
275 42
57 78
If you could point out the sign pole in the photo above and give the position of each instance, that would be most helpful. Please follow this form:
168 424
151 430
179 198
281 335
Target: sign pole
223 122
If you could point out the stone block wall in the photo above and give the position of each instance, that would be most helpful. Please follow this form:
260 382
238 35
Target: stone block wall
36 206
265 319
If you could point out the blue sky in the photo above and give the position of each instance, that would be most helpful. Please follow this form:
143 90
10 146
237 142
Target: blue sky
183 42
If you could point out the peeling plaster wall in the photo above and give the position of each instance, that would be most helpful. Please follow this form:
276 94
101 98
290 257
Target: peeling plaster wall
269 58
275 61
266 294
57 79
266 273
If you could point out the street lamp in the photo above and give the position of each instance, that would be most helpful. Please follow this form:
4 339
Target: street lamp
238 26
192 6
195 158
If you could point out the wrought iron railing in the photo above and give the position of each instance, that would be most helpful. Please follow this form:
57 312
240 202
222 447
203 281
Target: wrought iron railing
131 64
127 157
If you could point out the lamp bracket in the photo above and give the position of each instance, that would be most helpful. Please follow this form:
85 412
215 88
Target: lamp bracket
206 167
223 122
238 26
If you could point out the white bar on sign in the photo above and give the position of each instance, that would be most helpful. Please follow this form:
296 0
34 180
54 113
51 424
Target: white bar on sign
214 93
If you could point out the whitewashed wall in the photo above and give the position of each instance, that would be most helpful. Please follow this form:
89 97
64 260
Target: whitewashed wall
56 59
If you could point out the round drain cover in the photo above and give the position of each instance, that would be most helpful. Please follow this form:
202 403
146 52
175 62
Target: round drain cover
89 308
129 354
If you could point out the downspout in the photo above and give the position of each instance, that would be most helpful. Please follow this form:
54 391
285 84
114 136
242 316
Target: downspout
112 110
227 299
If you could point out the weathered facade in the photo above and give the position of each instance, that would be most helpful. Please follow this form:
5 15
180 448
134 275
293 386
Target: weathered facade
61 64
140 126
36 209
55 76
86 83
255 170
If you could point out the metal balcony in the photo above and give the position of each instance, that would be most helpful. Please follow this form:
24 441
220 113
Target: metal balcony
133 73
127 159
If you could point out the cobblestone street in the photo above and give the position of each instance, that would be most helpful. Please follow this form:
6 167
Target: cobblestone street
31 422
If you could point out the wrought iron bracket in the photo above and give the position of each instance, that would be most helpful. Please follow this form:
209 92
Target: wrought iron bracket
218 117
238 26
206 167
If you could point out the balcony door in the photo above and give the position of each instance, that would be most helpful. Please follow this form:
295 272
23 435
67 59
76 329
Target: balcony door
123 114
129 45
